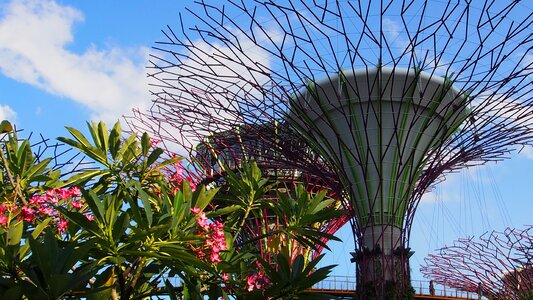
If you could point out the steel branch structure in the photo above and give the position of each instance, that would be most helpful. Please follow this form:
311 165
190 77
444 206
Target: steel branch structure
389 96
498 264
62 157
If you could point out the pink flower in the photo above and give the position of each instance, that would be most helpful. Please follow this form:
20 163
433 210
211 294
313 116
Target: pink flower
202 221
250 282
175 176
51 196
200 254
89 217
218 237
215 239
3 220
214 257
225 276
62 225
195 210
75 191
3 208
37 199
46 210
28 214
63 194
77 204
192 184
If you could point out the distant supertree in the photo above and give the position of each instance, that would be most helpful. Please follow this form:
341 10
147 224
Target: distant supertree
499 264
389 95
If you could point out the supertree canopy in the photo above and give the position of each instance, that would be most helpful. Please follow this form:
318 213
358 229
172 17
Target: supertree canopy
498 264
388 96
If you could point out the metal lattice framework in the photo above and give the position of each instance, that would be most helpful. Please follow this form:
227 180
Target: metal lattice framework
64 158
390 95
498 264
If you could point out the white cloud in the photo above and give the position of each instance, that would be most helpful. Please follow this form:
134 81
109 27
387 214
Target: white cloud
7 113
34 35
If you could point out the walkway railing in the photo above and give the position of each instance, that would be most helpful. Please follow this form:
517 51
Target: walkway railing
348 283
422 288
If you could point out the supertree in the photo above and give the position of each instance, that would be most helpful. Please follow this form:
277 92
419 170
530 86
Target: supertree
390 95
498 264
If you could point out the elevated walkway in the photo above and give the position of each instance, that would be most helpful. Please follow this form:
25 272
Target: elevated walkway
344 288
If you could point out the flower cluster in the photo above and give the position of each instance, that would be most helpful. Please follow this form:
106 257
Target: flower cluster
215 240
175 176
5 211
40 207
257 281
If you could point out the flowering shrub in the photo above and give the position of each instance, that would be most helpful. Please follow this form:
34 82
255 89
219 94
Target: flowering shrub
43 206
215 239
114 231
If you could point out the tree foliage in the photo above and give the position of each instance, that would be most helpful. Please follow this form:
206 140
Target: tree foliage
135 226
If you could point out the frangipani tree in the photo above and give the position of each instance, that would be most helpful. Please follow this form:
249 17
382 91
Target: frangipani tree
126 226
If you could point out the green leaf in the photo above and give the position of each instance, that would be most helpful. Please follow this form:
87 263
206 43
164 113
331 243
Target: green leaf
153 156
145 143
84 146
14 292
25 157
297 267
204 197
129 150
95 204
85 176
114 141
35 233
103 137
5 126
170 290
40 227
82 221
146 204
223 211
83 142
15 233
93 130
37 169
120 226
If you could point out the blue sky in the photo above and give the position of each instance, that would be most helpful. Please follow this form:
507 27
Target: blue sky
65 62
